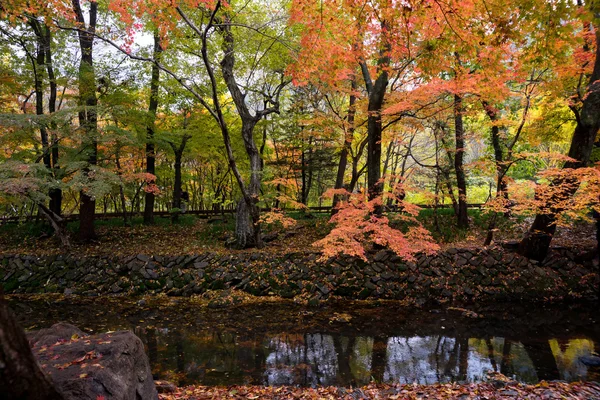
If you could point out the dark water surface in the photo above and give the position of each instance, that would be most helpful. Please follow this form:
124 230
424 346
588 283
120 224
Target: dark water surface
342 344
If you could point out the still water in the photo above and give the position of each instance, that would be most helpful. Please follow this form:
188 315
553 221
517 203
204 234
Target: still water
343 345
314 359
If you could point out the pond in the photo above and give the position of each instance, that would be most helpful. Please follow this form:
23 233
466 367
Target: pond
343 344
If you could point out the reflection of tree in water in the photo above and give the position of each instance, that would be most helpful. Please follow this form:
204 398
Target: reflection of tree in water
543 360
568 354
423 360
214 358
307 360
362 360
379 359
344 347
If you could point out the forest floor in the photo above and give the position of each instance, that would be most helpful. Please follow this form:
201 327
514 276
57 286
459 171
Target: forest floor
499 389
193 235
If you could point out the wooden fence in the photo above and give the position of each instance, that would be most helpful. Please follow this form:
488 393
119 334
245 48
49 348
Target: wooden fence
199 213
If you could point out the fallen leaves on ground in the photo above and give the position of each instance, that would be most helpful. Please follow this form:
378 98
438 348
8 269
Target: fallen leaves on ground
543 390
197 237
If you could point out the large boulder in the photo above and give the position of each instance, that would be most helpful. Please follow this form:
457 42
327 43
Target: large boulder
110 366
59 332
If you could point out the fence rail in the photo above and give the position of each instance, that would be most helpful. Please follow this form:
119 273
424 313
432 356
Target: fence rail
200 213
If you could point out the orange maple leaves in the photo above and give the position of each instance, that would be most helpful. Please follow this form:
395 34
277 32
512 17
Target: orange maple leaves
357 226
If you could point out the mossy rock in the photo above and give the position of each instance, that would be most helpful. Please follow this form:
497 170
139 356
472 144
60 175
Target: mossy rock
217 285
34 283
178 283
11 285
346 291
253 290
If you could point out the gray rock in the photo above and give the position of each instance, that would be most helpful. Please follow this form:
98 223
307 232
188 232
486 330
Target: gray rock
381 255
152 273
143 258
461 261
115 288
59 332
116 365
370 285
200 265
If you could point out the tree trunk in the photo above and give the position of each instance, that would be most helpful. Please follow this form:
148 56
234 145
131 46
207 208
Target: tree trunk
177 185
150 151
446 173
461 183
88 120
56 193
303 174
501 187
20 376
374 128
126 221
348 138
376 93
57 223
536 242
50 151
39 90
248 231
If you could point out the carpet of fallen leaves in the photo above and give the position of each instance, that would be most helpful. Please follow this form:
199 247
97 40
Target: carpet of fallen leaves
492 390
196 236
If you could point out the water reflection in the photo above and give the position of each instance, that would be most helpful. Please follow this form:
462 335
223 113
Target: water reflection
312 359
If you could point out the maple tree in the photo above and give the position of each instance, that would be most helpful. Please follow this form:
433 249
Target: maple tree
585 107
431 95
357 223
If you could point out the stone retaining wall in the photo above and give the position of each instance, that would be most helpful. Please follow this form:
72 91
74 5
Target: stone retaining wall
455 274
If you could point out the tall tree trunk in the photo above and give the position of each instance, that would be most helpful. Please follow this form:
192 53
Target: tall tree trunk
88 120
43 60
20 375
376 91
536 242
55 193
461 183
501 187
177 185
150 151
446 173
307 172
374 128
126 221
248 231
38 70
356 173
348 138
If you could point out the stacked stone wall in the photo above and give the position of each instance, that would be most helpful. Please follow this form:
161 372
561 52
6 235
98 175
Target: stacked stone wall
455 274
